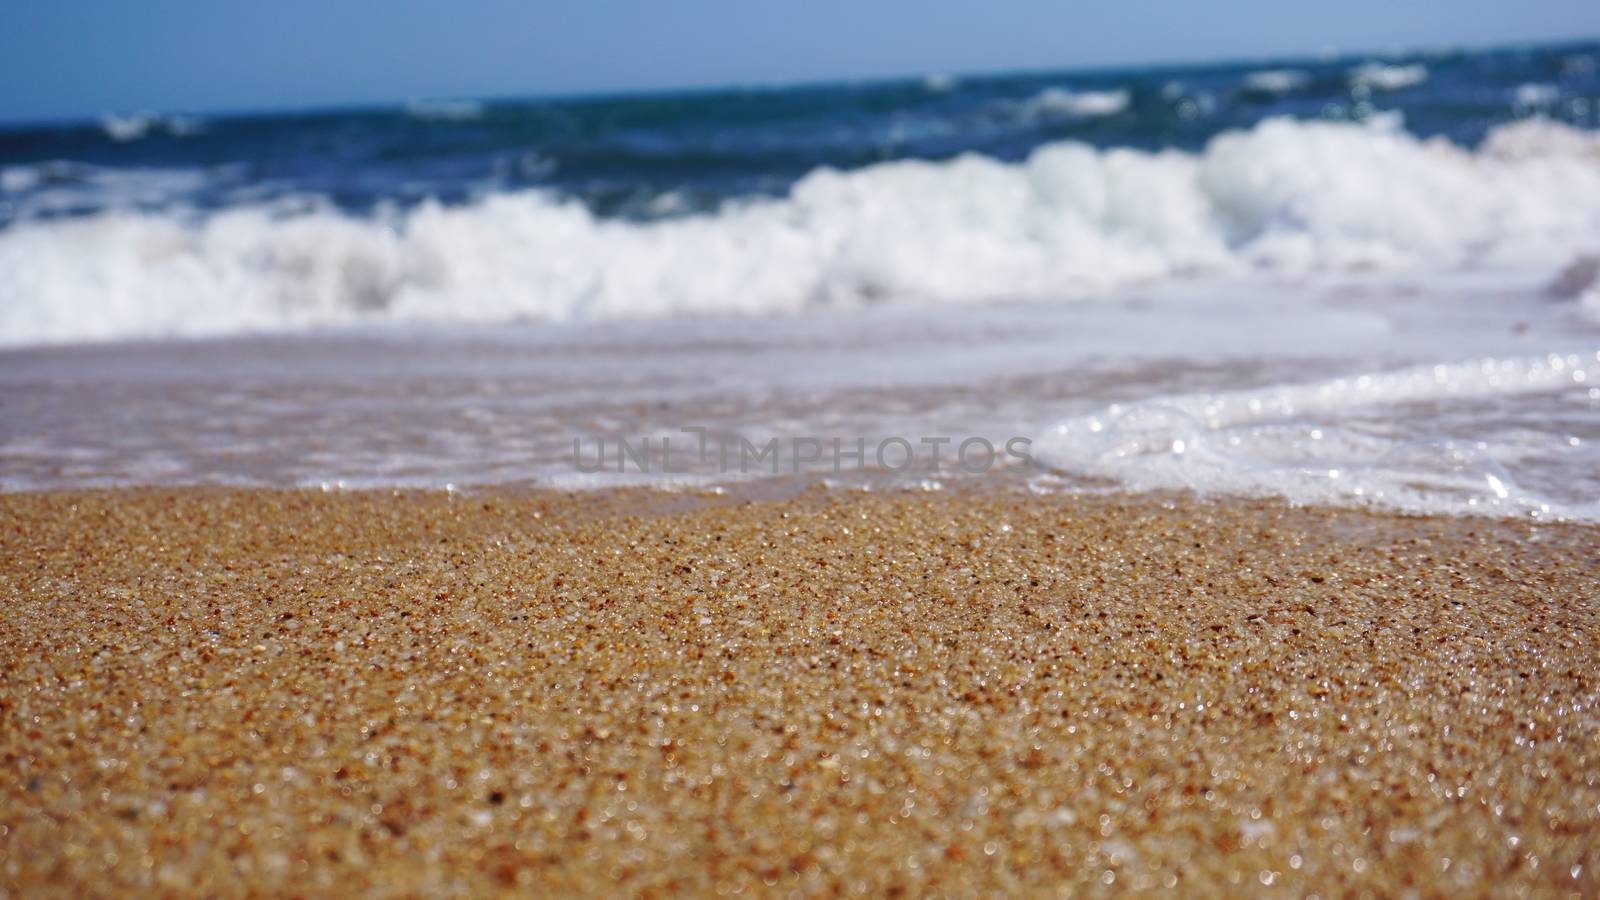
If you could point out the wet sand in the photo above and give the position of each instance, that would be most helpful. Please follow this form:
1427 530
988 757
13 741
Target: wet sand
208 691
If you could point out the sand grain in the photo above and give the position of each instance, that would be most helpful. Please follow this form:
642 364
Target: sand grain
209 691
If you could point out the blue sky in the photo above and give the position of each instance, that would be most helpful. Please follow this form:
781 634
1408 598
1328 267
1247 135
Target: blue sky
75 58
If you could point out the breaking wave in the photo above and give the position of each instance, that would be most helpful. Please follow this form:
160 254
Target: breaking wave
1068 221
1379 77
1277 81
1057 102
143 124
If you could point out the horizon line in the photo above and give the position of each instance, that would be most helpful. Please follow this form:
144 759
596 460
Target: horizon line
1323 57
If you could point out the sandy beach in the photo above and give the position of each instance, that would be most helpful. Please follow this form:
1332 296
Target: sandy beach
209 691
990 450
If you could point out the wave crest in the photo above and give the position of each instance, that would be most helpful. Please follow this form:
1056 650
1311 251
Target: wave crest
1070 220
1057 102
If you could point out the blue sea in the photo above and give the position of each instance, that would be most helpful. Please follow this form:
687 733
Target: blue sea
648 156
1367 278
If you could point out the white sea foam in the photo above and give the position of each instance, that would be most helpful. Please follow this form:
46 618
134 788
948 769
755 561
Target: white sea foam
1589 301
1341 441
1541 137
1376 76
56 187
142 124
1059 102
1293 197
1277 81
127 128
18 179
1535 97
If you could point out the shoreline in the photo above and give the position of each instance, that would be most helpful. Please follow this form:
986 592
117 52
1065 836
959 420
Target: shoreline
824 692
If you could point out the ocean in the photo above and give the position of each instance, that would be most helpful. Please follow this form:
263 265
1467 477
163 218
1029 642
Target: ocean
1366 279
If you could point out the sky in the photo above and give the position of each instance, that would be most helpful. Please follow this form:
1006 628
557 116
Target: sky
84 58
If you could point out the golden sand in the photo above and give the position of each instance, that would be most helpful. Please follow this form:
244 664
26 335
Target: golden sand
288 692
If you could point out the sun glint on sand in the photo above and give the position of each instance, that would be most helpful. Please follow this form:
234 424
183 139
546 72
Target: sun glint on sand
203 691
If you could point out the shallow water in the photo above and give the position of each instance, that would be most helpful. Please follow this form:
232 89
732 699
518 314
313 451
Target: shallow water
1443 400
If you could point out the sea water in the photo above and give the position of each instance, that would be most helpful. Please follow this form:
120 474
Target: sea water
1351 280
